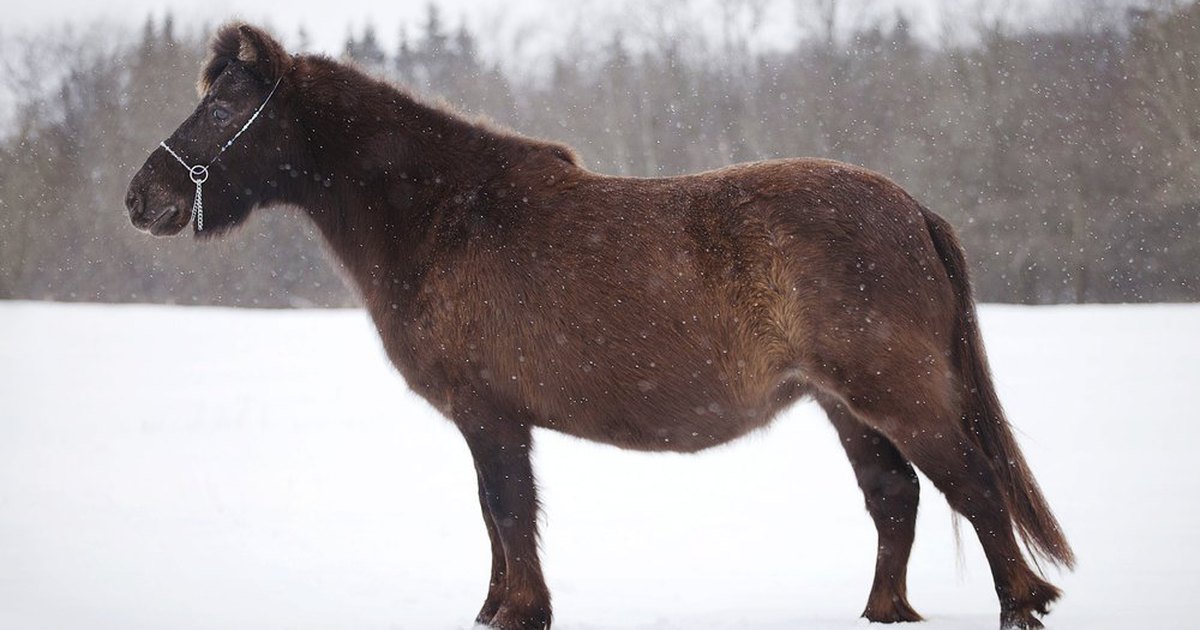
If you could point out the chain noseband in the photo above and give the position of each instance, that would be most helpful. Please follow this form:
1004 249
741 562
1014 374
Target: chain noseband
198 173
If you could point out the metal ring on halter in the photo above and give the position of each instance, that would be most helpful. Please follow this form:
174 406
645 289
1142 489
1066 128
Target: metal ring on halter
198 173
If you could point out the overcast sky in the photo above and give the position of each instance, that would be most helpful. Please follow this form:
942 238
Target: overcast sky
517 28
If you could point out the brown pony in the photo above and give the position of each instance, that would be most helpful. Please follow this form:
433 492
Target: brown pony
515 289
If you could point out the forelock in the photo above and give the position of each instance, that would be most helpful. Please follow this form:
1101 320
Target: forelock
223 50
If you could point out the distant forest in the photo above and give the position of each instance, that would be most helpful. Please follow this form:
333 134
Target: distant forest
1067 157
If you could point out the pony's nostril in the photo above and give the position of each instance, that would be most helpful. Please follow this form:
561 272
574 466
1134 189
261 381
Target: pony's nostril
133 201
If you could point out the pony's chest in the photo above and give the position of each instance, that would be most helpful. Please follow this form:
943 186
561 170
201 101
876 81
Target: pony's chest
417 340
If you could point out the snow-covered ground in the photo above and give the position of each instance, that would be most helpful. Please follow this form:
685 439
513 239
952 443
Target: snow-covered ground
191 468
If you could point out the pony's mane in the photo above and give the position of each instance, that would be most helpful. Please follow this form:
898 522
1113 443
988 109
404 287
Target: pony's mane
354 77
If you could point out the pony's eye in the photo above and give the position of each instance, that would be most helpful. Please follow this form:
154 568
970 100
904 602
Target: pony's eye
220 114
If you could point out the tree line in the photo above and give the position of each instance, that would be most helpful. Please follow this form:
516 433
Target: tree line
1068 157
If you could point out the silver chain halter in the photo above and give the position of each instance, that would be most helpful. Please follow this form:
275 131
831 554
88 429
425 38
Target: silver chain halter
198 173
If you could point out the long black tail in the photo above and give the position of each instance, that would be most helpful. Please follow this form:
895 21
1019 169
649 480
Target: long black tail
984 418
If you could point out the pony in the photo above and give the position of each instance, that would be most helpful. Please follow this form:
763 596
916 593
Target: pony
515 289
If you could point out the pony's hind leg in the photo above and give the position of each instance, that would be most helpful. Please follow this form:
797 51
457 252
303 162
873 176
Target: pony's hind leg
890 487
964 475
919 416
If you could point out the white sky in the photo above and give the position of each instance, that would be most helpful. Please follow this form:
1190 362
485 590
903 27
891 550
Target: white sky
503 25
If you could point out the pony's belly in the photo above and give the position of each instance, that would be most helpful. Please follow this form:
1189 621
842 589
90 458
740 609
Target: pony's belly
681 415
680 428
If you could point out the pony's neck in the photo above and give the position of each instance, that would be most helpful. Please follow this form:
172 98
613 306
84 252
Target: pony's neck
382 165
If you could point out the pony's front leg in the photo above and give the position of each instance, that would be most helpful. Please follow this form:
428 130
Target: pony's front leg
517 597
497 586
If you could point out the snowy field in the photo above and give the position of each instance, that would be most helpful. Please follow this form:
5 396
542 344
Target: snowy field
194 468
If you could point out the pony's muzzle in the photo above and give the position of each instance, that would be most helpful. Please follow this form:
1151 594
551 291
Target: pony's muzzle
158 217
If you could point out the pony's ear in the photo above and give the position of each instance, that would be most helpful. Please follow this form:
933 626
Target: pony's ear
261 54
249 46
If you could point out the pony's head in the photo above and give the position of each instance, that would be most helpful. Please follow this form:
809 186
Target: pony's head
245 90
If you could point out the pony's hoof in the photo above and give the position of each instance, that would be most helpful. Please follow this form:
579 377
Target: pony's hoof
892 610
487 613
1019 620
513 619
1022 611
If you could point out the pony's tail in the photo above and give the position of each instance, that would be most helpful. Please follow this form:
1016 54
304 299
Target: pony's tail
983 417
